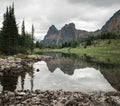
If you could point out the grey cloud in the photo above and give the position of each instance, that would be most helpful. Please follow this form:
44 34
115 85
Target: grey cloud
86 14
96 2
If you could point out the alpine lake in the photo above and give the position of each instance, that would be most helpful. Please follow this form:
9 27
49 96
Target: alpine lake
68 72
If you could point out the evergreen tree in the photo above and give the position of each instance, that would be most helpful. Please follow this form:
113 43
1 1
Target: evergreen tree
9 33
33 31
23 38
26 40
32 38
23 29
0 40
37 44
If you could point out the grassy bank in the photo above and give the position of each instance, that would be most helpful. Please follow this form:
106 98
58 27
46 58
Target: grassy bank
107 51
102 51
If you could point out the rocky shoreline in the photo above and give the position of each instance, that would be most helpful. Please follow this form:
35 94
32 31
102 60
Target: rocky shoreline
15 65
12 66
58 98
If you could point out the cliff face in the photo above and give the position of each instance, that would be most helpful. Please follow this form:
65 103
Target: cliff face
69 33
113 24
51 37
66 34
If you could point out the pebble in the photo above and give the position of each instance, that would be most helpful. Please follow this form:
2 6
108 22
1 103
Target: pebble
63 98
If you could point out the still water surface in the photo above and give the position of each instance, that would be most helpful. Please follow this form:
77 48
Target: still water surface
67 72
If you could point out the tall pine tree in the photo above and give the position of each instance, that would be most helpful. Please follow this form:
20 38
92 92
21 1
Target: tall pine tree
9 33
27 40
32 39
0 40
23 38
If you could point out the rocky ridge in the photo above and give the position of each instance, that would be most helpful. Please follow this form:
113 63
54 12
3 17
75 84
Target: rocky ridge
67 33
113 24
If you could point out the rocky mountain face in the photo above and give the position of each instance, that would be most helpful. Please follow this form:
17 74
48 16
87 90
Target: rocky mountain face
67 33
55 37
51 37
113 24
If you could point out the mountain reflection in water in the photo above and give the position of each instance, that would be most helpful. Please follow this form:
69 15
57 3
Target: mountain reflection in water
85 80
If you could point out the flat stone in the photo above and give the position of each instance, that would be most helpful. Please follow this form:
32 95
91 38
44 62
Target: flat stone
116 100
63 100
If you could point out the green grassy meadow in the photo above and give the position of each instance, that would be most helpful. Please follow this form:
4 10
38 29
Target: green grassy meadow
106 51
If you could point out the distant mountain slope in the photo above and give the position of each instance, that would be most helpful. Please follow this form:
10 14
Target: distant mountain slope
67 33
55 37
113 24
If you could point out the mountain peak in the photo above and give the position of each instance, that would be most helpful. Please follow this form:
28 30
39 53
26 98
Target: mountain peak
70 25
117 14
52 30
68 30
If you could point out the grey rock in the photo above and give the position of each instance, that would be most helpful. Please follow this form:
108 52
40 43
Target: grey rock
63 100
18 98
70 102
115 100
10 93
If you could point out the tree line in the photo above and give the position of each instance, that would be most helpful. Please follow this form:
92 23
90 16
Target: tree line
103 36
11 42
85 42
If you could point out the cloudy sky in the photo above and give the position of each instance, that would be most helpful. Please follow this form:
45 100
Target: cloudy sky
87 15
